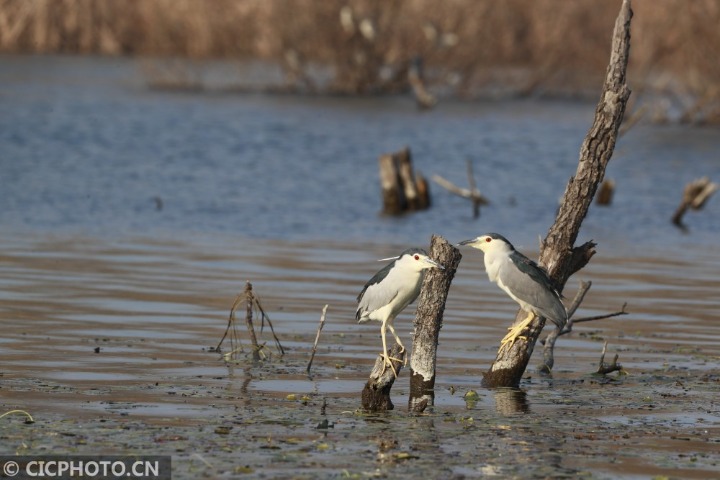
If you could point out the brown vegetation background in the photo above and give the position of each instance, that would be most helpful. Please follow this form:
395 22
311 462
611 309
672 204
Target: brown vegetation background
526 46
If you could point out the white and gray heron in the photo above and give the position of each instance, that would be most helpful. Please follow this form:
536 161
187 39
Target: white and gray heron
392 289
522 279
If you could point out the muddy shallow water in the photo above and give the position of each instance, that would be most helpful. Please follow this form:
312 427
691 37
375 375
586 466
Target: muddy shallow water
154 309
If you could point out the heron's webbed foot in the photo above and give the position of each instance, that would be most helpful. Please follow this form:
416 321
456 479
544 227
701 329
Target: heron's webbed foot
515 332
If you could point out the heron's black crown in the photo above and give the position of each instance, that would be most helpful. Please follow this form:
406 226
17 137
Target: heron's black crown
497 236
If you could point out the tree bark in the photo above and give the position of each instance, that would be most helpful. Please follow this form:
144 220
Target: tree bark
428 321
557 254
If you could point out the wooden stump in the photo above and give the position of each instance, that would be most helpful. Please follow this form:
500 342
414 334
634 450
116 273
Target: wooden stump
376 394
402 190
428 321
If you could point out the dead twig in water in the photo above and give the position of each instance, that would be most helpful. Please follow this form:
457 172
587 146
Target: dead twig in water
549 341
472 194
604 368
251 302
317 337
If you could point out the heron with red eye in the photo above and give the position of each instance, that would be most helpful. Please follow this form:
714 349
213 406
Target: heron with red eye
390 290
523 280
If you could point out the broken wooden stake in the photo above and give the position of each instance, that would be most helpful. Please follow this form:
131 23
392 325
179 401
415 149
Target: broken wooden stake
695 195
402 190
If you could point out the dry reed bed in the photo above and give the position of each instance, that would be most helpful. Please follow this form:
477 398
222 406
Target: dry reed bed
551 45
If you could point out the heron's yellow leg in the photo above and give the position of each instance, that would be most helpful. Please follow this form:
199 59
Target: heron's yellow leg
397 339
515 332
388 359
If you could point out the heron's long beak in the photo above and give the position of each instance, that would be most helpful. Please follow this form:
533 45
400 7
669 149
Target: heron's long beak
467 242
434 263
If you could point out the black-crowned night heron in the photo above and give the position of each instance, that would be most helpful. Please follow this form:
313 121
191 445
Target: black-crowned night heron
522 279
392 289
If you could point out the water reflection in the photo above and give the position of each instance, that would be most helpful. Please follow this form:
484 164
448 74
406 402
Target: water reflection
510 401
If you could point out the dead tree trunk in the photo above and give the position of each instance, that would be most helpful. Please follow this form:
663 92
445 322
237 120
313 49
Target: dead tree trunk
402 190
557 253
428 321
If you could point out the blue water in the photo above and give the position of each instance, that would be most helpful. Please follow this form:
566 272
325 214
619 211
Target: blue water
86 147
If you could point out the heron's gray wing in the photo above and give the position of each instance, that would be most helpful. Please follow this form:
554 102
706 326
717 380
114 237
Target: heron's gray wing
535 271
372 295
532 285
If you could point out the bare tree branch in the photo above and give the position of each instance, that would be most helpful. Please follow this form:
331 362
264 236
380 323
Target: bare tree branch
549 342
472 194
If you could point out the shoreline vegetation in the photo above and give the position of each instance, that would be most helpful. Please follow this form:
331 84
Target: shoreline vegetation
463 49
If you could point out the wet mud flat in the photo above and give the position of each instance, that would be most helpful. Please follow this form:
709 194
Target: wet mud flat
108 346
661 423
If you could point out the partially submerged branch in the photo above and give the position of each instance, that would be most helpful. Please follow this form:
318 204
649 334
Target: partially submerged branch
605 368
549 342
695 195
472 193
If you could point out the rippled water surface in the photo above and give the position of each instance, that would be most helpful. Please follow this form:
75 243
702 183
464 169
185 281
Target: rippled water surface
130 220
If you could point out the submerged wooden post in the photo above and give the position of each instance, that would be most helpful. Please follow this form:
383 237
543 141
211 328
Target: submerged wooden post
402 190
557 253
376 393
428 321
249 321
